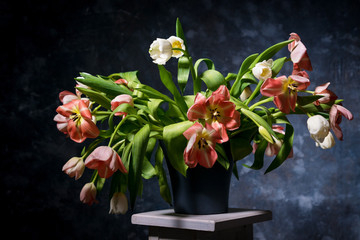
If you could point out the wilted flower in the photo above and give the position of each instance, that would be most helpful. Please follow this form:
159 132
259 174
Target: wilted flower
118 203
284 89
328 96
262 70
177 42
160 51
106 161
336 113
298 53
74 167
88 194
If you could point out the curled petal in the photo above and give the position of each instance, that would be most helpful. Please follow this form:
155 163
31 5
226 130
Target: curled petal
293 44
302 82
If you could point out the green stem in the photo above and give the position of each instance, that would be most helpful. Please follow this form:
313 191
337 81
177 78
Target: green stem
116 129
254 93
196 82
270 99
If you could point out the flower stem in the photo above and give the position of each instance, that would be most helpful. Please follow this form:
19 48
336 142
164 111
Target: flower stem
254 93
270 99
116 129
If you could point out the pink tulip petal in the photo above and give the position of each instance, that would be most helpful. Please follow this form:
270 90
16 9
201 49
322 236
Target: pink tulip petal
346 113
193 130
88 128
207 158
282 102
74 132
292 100
321 88
302 82
273 87
223 91
233 122
226 108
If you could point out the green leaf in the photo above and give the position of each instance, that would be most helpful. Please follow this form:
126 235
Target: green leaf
222 158
213 79
183 72
175 144
304 100
130 76
166 79
235 171
259 121
180 32
284 150
240 148
259 156
208 62
110 88
97 97
270 52
160 171
100 183
277 66
138 151
235 90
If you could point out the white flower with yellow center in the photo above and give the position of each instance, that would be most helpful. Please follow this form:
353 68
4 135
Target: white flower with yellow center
262 70
160 51
177 42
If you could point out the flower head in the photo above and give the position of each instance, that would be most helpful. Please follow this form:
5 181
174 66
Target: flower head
88 194
336 113
319 129
284 89
201 146
177 42
75 119
262 70
328 96
118 203
121 99
74 167
160 51
217 111
106 161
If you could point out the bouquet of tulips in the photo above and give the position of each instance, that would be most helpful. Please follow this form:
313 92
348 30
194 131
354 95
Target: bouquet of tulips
131 123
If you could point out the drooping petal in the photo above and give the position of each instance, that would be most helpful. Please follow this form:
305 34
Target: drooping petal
67 109
88 128
198 109
273 86
293 43
62 123
84 109
190 152
292 100
67 96
220 128
74 132
282 102
207 157
233 122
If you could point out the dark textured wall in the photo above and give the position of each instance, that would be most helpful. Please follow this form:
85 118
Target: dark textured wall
314 195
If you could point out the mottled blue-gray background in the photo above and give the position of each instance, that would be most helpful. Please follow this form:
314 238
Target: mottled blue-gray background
314 195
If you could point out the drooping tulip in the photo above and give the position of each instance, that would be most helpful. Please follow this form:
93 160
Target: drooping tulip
118 203
298 53
336 113
319 129
79 119
201 145
217 111
88 194
106 161
328 95
284 90
74 167
160 51
121 99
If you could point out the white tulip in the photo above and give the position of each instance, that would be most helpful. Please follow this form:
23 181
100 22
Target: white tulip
118 203
160 51
177 42
262 70
319 129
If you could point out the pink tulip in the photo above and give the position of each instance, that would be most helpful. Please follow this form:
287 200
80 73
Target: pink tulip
216 110
67 96
336 113
79 121
121 99
74 167
106 161
121 81
328 96
201 146
298 53
284 90
88 194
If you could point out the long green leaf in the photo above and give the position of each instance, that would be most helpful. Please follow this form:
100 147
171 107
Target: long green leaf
175 143
277 66
180 32
166 79
258 156
258 120
106 86
240 148
213 79
284 150
160 171
97 97
138 151
270 52
183 72
235 90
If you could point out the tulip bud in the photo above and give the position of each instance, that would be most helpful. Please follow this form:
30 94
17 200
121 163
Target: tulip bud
245 94
262 70
74 167
160 51
263 132
118 203
88 194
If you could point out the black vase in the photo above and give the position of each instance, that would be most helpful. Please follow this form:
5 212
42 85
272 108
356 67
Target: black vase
203 190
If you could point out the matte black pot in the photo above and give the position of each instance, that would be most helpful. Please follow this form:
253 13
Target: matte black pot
202 191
